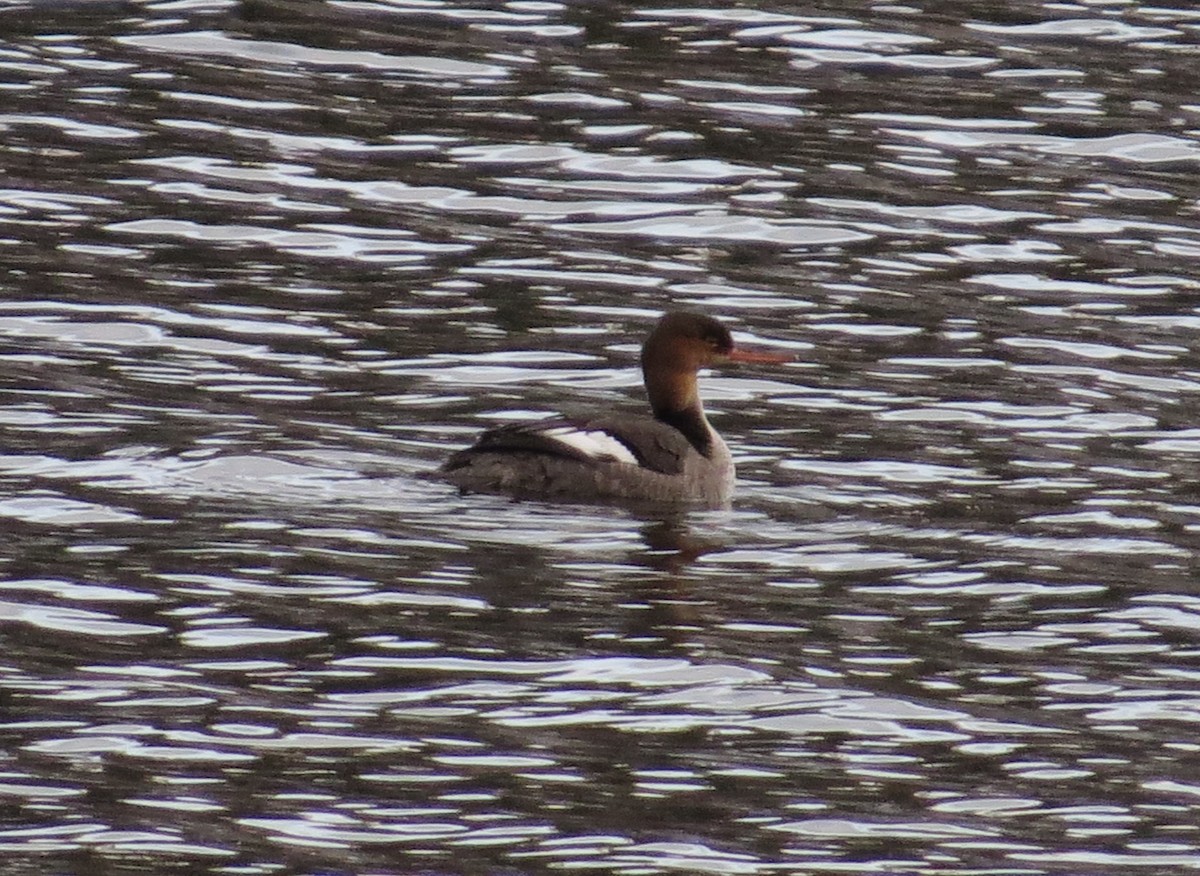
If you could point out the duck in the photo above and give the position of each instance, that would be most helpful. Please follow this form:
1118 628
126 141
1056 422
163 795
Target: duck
673 456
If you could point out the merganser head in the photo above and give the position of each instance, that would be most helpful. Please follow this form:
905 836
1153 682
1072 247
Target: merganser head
685 342
679 346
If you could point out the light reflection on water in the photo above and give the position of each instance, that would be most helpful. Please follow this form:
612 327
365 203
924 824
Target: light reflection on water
265 265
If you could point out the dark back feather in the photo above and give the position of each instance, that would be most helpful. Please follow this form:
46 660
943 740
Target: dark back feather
657 446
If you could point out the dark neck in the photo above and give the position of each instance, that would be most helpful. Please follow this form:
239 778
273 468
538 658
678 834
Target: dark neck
675 397
692 424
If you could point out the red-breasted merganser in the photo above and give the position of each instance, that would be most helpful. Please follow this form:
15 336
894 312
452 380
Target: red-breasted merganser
674 457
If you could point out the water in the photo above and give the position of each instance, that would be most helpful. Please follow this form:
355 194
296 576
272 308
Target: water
265 264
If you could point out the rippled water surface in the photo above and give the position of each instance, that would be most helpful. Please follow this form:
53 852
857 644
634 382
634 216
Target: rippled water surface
264 264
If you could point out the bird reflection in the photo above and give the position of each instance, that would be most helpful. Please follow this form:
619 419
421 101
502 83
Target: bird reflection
675 611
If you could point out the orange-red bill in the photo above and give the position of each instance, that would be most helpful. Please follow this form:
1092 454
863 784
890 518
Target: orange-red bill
738 354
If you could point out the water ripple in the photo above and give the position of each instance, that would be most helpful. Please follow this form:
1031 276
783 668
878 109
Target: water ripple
268 52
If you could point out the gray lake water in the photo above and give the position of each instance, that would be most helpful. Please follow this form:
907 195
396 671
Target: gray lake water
264 264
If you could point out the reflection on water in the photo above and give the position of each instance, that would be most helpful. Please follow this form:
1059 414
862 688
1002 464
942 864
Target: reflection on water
266 264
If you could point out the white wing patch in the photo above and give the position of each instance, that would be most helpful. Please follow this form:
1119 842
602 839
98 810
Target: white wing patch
595 444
